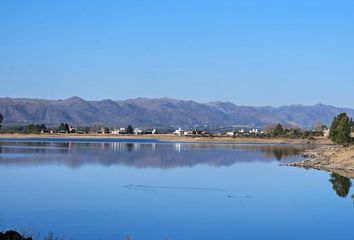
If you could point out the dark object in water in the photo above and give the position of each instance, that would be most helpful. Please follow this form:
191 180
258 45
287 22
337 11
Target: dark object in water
12 235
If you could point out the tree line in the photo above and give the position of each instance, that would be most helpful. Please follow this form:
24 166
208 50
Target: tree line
340 130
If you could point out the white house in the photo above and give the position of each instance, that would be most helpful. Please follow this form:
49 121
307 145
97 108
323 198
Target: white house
118 131
254 131
138 131
233 133
188 133
326 132
115 131
241 131
72 129
179 131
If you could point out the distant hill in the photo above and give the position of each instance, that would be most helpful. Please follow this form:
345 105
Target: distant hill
160 112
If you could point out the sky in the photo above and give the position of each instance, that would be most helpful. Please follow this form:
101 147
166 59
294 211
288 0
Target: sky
246 52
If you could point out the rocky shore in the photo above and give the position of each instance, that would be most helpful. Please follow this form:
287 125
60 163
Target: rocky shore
335 159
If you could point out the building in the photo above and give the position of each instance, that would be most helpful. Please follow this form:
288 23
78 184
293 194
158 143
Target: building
326 132
179 132
188 133
254 131
233 133
118 131
72 129
138 131
149 131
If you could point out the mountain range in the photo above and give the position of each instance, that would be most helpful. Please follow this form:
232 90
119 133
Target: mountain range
161 112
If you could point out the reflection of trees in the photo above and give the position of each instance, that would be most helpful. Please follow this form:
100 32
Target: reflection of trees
278 153
141 155
341 185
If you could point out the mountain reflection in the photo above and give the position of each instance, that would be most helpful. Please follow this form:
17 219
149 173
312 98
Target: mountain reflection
141 155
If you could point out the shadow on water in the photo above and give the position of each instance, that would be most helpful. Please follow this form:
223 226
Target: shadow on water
341 185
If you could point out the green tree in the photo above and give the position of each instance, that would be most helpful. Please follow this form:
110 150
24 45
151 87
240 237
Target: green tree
341 185
35 128
278 130
64 127
340 129
130 129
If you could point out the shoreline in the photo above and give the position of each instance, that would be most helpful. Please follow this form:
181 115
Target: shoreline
336 159
173 138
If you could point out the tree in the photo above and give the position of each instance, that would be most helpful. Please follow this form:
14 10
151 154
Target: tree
278 130
64 127
35 128
1 118
340 129
341 185
130 129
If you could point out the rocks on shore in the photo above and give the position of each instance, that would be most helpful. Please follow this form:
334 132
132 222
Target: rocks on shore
336 159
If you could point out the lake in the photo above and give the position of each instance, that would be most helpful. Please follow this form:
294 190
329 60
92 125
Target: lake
146 190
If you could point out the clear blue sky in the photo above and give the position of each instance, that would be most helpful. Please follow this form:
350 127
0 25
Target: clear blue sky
247 52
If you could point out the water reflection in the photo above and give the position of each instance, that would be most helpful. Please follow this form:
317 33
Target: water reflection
141 155
341 185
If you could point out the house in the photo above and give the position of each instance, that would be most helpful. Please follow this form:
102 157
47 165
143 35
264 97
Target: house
138 131
179 131
188 133
72 129
197 132
241 131
254 131
233 133
103 130
115 131
326 132
153 131
118 131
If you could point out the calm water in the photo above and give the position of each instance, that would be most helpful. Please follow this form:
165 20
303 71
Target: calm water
151 190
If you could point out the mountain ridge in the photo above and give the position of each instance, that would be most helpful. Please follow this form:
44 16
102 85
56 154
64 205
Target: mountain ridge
161 112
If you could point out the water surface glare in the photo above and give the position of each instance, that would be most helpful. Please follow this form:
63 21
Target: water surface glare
156 190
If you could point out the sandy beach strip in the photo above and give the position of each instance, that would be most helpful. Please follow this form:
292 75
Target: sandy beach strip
173 138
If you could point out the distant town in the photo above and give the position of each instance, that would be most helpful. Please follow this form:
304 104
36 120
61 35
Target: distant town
270 131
